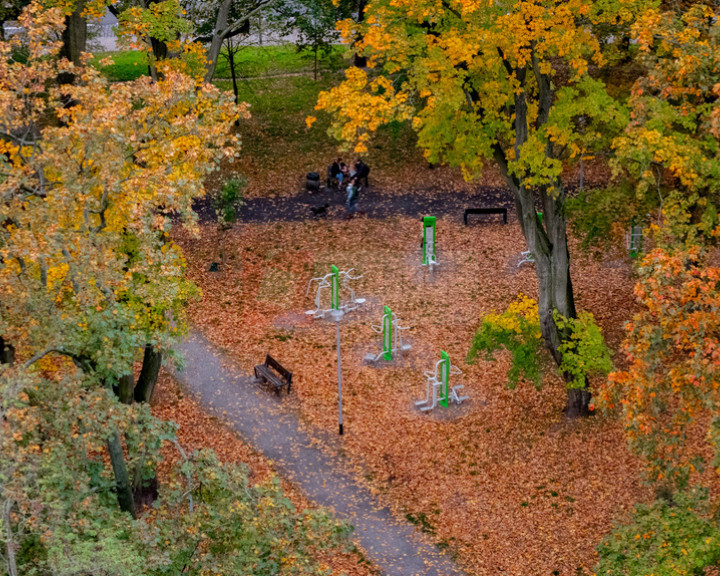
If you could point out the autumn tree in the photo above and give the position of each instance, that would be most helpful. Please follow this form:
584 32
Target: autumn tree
669 154
672 384
58 511
665 162
506 82
87 198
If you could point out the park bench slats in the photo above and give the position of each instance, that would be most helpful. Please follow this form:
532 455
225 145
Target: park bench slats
498 210
274 373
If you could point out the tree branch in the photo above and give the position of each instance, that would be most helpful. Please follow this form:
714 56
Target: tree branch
240 21
76 359
446 5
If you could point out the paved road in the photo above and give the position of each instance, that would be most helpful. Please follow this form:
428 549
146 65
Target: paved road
258 416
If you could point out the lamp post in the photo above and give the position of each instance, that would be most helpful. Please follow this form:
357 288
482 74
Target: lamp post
335 313
336 316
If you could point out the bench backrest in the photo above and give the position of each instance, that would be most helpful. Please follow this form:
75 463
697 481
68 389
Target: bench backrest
270 362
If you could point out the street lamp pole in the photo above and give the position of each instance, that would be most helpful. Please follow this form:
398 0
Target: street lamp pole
340 415
336 313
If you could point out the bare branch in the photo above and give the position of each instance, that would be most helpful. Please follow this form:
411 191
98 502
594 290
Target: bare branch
262 4
47 351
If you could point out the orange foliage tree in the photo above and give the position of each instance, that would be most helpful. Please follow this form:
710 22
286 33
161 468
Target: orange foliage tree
669 155
673 378
507 82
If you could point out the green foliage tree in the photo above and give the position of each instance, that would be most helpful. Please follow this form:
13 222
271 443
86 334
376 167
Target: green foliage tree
315 24
665 163
58 511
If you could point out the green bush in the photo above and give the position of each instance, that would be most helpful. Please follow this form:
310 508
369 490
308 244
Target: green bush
583 349
518 331
664 539
584 353
228 200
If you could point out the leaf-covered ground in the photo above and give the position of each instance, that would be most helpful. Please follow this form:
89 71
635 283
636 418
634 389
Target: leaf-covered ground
198 429
503 481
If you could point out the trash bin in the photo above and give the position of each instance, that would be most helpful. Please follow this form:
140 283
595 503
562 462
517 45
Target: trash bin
312 183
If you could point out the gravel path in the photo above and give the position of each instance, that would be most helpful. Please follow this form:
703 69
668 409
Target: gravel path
259 417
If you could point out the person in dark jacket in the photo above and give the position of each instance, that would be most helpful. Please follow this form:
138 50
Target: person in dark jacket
361 172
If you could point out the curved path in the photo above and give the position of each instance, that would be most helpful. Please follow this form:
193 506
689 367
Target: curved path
374 201
395 547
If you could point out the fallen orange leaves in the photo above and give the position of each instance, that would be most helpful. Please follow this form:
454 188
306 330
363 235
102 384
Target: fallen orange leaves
503 480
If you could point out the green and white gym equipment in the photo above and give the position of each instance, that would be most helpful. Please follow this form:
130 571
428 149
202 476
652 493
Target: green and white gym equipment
634 239
428 241
334 293
391 337
527 255
438 386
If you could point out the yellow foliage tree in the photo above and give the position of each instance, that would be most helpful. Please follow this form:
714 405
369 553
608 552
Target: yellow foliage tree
503 81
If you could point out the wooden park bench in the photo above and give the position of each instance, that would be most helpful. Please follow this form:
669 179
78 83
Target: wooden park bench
271 371
502 211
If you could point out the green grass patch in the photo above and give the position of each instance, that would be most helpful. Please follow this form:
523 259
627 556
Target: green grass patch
127 65
279 107
253 61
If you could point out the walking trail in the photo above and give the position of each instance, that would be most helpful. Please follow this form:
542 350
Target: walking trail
259 417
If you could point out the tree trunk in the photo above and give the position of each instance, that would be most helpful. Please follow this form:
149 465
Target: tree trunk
7 352
224 30
122 480
222 247
546 238
74 38
360 61
217 39
126 384
552 266
10 544
231 60
152 361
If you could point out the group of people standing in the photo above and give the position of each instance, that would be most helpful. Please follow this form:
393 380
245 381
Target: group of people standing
349 179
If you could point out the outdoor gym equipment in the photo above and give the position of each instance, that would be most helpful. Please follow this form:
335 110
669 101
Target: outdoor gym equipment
335 284
392 337
438 385
428 242
634 239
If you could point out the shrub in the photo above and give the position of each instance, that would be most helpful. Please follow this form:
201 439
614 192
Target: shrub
584 353
583 349
663 539
228 200
518 331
